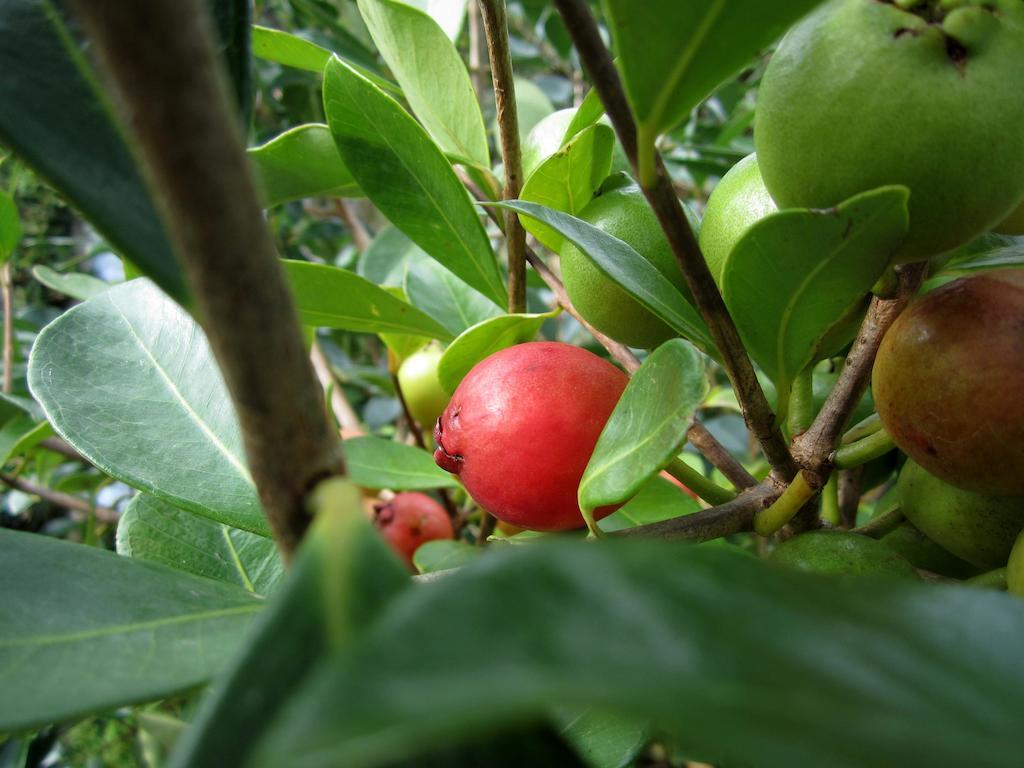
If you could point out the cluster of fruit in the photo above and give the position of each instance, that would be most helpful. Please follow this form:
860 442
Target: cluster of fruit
863 93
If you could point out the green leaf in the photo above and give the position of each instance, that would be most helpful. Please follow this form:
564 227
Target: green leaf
647 427
730 656
432 75
658 499
83 630
672 55
629 269
532 106
567 180
153 530
302 162
405 175
128 379
343 576
589 112
603 739
484 339
444 554
233 21
389 255
446 298
59 122
10 226
373 462
332 297
449 14
77 285
20 433
795 274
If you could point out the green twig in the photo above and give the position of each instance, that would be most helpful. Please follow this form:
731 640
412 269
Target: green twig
864 450
784 509
711 493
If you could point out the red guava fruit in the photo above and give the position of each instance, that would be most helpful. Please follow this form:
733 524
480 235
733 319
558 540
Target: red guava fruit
409 520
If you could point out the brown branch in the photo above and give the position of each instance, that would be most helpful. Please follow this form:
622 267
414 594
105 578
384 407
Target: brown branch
813 449
496 32
57 445
160 58
343 411
597 62
700 438
736 516
849 495
8 301
59 499
346 212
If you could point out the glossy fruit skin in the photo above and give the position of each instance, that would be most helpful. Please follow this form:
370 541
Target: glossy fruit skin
976 528
862 94
948 382
921 552
409 520
842 552
739 200
622 211
521 427
421 388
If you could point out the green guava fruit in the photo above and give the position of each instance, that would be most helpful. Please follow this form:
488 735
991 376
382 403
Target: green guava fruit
421 388
948 382
739 200
864 93
921 552
842 552
976 528
621 210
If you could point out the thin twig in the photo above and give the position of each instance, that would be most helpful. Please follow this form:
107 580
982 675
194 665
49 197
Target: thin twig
343 411
8 300
57 445
496 32
597 62
347 213
477 47
701 438
887 522
59 499
736 516
161 60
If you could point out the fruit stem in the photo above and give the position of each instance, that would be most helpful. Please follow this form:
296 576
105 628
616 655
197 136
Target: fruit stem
885 523
496 32
830 500
801 402
995 579
864 450
769 521
646 169
862 429
711 492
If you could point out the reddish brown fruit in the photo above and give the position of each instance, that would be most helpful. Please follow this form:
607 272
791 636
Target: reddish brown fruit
949 382
521 427
409 520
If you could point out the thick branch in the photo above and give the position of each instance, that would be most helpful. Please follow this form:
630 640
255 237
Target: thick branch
736 516
79 506
597 62
160 58
496 31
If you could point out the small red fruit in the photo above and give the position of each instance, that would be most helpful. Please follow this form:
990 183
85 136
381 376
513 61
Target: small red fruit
521 427
409 520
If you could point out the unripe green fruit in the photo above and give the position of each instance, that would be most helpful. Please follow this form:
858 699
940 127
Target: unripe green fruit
842 552
863 93
739 200
921 552
624 213
978 529
948 382
421 388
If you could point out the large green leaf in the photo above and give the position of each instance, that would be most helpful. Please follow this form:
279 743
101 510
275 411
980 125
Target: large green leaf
647 427
153 530
77 285
795 274
445 297
233 21
484 339
83 630
332 297
449 14
731 656
566 181
343 576
432 75
10 226
673 54
389 256
55 117
21 432
625 266
658 499
405 175
373 462
302 162
128 379
605 740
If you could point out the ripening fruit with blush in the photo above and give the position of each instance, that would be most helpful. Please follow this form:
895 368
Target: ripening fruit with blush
842 552
622 211
521 427
948 382
422 390
865 93
738 201
410 519
977 528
